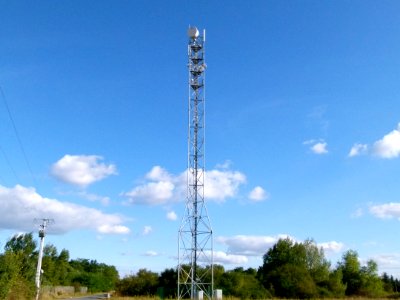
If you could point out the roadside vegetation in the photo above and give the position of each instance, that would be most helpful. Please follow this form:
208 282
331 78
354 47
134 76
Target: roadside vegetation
289 270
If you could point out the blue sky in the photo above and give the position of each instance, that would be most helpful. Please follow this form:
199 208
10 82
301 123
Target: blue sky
302 126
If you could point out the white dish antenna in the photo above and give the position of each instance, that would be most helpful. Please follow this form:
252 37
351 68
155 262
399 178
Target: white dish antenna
193 32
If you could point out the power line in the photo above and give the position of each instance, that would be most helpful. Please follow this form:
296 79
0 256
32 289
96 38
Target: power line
21 146
9 164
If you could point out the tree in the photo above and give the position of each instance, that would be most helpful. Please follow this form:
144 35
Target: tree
372 285
242 284
144 283
17 267
168 281
336 287
360 281
387 283
64 269
49 266
24 246
293 270
316 263
98 277
350 267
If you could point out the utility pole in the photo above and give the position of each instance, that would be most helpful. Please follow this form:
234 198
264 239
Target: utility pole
42 233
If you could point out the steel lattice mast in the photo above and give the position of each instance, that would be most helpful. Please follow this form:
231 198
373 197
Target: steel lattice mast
195 249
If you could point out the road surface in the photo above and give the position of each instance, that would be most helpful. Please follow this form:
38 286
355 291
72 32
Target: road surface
92 297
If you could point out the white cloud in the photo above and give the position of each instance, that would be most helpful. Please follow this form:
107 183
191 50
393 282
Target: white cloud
95 198
162 188
389 145
171 215
81 170
358 149
21 205
390 261
221 257
219 185
147 230
118 229
332 246
226 165
158 174
258 194
317 147
153 193
249 245
151 253
320 148
386 211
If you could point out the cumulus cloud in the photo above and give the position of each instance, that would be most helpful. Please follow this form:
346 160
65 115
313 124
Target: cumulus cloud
317 147
158 174
332 247
386 211
82 170
153 193
258 194
220 185
161 187
249 245
21 205
389 145
358 149
171 215
320 148
223 258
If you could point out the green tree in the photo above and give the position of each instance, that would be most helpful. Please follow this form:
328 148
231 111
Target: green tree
351 270
144 283
49 266
64 269
316 263
96 276
336 287
387 283
24 246
360 280
219 272
9 273
372 285
168 280
289 268
242 284
17 268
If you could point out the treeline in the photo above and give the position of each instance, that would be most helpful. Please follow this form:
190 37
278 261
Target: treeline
289 270
18 266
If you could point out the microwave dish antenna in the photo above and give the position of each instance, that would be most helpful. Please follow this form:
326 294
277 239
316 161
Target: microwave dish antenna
193 32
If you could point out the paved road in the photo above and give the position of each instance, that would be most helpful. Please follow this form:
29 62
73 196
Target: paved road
91 297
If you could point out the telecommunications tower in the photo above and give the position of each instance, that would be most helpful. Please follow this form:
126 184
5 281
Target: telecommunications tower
195 248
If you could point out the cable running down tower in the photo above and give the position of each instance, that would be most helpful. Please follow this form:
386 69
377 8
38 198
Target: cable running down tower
195 249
